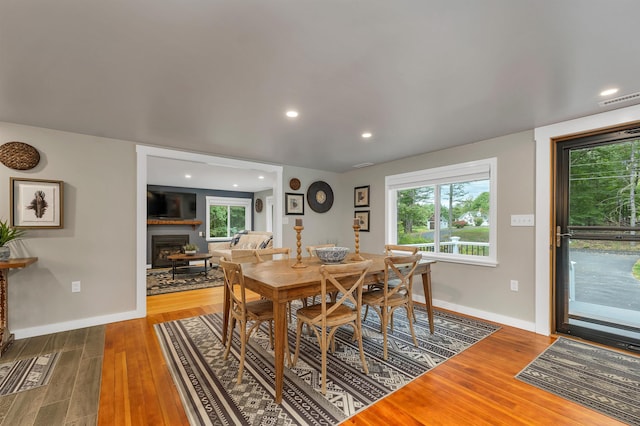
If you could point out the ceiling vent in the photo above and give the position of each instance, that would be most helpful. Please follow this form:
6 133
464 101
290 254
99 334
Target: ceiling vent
619 99
361 165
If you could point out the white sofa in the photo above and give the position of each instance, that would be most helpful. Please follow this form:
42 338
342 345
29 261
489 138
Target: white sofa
241 246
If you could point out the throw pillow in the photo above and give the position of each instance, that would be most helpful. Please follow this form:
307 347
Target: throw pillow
265 243
236 238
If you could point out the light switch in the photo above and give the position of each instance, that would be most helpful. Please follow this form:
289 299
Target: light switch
522 220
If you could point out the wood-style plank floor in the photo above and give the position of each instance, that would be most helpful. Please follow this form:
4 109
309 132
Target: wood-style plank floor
476 387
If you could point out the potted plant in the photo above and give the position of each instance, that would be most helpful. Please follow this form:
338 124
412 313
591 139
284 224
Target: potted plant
7 234
190 249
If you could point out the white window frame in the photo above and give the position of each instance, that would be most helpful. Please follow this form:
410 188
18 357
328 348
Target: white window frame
229 202
464 172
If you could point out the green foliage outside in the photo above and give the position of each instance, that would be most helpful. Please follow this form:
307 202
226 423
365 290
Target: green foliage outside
219 217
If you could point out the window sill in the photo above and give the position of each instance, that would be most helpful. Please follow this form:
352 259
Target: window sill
468 260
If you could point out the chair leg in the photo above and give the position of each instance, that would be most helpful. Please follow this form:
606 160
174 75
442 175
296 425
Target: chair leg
243 347
232 325
409 315
384 333
366 312
358 331
323 347
298 336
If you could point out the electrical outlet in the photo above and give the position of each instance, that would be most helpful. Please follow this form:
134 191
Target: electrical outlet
514 285
75 286
522 220
201 234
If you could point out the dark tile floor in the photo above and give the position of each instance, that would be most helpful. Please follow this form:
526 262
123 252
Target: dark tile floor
72 395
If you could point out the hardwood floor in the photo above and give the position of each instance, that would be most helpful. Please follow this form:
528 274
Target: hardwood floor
476 387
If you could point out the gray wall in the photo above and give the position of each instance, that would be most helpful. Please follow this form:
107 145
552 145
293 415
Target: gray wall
476 288
97 244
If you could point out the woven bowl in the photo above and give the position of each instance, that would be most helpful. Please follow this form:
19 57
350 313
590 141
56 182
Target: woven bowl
332 254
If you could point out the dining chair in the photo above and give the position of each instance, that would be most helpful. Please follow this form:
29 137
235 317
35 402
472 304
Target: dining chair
391 250
241 311
386 300
325 317
268 253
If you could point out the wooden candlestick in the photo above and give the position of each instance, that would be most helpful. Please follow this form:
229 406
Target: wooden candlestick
356 230
298 263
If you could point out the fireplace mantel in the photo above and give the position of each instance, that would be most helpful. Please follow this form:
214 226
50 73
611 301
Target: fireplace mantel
193 223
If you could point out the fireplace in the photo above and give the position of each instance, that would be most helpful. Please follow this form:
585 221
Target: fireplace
166 245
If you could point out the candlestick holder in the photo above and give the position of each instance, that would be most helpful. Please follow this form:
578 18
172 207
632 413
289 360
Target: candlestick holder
356 230
298 263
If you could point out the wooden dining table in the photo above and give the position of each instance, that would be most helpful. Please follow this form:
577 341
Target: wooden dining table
278 281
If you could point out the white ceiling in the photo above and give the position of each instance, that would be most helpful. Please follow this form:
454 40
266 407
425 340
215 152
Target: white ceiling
217 76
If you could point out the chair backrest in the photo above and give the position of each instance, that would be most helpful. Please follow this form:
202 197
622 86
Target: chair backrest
345 278
267 254
401 268
394 250
233 277
312 249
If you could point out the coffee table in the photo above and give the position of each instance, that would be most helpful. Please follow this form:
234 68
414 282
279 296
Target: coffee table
174 258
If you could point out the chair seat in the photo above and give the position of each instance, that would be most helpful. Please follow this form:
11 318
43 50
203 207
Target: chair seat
339 316
260 309
377 297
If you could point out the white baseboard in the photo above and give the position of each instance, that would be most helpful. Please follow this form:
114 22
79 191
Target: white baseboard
24 333
489 316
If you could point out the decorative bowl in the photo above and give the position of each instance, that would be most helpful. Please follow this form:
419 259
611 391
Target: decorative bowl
332 254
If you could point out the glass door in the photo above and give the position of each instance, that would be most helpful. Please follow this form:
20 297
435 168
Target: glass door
597 244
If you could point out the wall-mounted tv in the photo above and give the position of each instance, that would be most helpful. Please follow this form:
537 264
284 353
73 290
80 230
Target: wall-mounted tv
171 205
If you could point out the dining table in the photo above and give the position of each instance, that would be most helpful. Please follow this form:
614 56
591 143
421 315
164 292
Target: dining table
278 281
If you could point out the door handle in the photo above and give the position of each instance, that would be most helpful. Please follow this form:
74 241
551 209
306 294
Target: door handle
560 235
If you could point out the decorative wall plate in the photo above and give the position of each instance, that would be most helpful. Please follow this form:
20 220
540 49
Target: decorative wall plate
258 205
320 196
294 184
19 156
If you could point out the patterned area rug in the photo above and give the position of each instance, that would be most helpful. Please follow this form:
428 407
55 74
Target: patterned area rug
25 374
159 281
210 395
601 379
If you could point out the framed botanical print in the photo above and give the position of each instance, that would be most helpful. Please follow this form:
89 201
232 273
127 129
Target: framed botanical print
293 203
361 196
364 220
37 203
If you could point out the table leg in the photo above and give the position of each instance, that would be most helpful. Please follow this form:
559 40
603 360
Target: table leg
280 325
6 338
173 269
428 297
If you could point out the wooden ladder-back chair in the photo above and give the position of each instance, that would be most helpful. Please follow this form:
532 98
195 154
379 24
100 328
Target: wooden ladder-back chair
312 249
242 311
325 317
268 253
386 300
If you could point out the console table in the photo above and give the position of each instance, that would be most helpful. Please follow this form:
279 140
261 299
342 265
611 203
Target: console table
6 337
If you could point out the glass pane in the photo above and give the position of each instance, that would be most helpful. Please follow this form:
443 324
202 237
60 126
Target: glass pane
604 282
218 220
603 185
415 213
237 222
464 218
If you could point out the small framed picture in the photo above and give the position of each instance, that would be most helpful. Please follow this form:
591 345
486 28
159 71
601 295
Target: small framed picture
364 220
37 203
361 196
293 203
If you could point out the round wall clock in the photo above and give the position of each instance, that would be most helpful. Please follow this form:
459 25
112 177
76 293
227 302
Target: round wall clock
294 184
258 205
320 196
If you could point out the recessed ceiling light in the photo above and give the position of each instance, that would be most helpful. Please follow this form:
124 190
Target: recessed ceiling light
367 135
260 177
235 185
292 114
187 176
609 92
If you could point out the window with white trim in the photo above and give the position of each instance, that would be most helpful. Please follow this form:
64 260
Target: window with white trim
227 216
449 212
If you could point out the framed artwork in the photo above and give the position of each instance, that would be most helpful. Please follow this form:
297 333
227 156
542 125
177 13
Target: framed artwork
364 220
37 203
361 196
293 203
